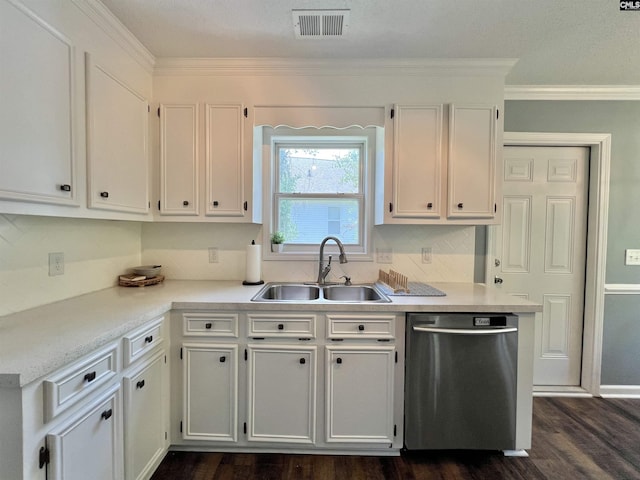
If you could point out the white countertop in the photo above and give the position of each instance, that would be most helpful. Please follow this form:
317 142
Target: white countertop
36 342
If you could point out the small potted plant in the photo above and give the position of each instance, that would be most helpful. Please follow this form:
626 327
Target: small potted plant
277 241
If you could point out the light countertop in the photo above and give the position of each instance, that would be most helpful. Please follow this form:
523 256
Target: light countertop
36 342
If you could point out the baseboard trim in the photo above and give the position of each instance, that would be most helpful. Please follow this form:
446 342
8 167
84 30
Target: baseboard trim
560 391
620 391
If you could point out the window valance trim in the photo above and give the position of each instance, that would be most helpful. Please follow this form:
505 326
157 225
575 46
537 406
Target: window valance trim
318 116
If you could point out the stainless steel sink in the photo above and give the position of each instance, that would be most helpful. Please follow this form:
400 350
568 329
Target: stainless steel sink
296 292
282 292
353 293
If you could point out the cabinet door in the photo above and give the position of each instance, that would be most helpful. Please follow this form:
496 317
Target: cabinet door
359 396
282 394
144 424
417 162
179 159
89 445
37 116
210 392
117 143
224 152
472 161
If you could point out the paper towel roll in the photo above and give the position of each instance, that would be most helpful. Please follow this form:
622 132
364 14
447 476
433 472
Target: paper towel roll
254 259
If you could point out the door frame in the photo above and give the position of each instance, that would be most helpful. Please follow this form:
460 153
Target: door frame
597 225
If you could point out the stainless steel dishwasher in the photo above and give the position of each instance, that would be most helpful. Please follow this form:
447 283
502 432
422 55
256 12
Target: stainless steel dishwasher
460 381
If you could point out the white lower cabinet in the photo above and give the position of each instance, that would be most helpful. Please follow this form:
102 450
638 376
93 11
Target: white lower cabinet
144 419
282 393
359 394
210 382
88 445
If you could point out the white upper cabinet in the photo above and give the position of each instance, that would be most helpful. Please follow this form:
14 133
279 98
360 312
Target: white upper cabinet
117 118
224 154
179 159
472 161
37 110
418 164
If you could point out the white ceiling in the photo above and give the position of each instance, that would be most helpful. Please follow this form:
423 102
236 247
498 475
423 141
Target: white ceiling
557 42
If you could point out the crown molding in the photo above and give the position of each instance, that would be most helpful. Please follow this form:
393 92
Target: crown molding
107 21
289 66
572 92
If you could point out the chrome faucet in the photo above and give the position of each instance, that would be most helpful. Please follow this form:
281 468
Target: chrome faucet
323 271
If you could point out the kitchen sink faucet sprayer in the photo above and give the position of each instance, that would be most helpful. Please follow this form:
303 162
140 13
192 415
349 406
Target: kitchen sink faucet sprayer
322 270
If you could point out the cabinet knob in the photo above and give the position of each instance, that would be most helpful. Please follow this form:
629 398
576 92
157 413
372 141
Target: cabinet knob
65 188
148 339
302 361
140 384
361 328
281 326
216 203
185 203
461 205
430 205
90 377
223 359
339 361
207 326
107 414
104 194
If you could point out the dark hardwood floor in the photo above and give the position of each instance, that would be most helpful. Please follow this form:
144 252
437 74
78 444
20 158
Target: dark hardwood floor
573 438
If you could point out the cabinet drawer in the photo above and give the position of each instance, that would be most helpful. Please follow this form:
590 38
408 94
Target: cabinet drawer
210 324
282 325
361 326
142 341
64 389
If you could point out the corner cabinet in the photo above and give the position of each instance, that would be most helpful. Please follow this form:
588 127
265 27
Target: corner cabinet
117 160
444 168
211 161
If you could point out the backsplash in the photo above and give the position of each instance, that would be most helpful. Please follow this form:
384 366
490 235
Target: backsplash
182 250
95 253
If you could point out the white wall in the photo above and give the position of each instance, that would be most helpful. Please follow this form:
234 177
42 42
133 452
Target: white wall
95 253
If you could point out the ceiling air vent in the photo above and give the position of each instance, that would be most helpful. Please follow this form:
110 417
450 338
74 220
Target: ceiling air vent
320 23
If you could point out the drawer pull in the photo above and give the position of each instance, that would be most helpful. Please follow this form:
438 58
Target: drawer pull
281 326
90 377
223 359
65 188
140 384
361 328
148 339
185 203
430 205
461 205
104 194
106 415
302 361
339 361
208 326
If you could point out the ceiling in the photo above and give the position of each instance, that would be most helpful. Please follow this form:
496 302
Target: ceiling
557 42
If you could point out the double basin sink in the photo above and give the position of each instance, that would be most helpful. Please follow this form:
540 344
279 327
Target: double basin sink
299 292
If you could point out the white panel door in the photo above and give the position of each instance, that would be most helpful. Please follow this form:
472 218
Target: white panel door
541 248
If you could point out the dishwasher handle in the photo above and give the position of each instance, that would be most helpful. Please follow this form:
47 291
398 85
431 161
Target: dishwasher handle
466 331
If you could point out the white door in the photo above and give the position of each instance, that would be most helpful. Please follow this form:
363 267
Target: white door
541 251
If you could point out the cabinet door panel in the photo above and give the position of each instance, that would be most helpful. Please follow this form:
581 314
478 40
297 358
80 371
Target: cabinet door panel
224 140
88 446
359 405
472 159
418 166
211 392
282 392
117 143
179 159
37 118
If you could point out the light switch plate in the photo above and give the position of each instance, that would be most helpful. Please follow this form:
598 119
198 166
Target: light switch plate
213 254
384 255
632 256
426 254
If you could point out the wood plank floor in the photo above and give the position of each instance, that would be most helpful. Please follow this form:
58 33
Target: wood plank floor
573 438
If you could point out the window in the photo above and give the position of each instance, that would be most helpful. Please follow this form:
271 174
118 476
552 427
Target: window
320 186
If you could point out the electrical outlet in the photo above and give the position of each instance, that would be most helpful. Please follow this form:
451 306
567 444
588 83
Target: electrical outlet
56 264
632 256
426 254
213 254
384 255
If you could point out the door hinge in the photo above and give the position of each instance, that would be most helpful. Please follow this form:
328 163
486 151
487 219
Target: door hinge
149 204
166 435
158 111
148 108
497 114
495 208
390 207
245 427
180 426
44 457
165 359
395 430
396 356
246 206
246 355
180 353
158 204
246 112
393 113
